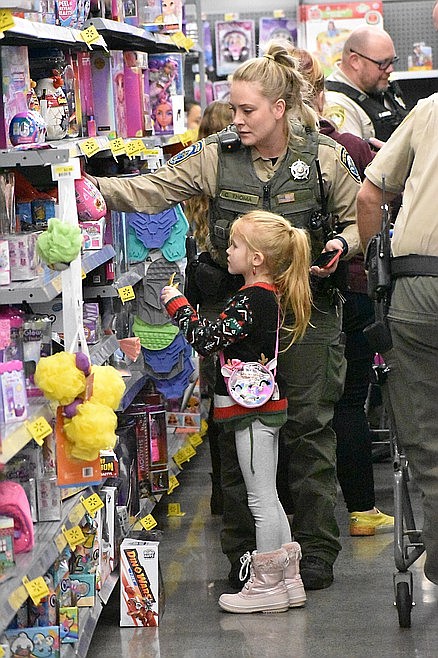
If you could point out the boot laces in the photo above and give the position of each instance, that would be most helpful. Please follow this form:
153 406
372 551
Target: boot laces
245 569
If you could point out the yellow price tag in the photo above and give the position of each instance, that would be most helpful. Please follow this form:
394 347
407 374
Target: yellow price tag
195 440
36 588
39 429
89 147
6 20
83 274
179 458
74 536
148 522
152 152
18 597
174 509
60 542
90 35
76 514
231 17
189 452
126 293
204 427
117 146
173 484
278 13
2 652
92 503
63 171
181 41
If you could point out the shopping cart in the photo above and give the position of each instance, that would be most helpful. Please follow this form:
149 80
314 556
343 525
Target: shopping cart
408 544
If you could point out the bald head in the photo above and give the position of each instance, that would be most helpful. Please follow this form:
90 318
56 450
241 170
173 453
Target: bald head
367 59
367 39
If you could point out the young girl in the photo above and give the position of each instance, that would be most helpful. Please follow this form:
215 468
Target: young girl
274 259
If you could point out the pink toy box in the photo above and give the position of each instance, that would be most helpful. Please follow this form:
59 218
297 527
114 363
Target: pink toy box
135 63
14 65
108 86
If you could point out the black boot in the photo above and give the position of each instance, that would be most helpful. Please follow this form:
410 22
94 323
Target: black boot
216 500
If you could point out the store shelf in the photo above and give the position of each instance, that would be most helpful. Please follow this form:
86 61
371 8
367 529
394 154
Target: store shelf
35 157
122 36
134 384
16 435
36 563
94 292
49 284
30 33
414 75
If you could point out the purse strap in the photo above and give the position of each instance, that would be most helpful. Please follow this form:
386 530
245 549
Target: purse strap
221 353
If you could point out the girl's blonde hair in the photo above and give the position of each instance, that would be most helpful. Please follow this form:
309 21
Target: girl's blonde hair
286 251
217 115
278 74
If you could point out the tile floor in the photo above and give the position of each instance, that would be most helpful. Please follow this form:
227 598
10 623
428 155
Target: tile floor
355 617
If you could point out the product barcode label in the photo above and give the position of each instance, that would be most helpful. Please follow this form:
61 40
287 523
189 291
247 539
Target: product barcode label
87 472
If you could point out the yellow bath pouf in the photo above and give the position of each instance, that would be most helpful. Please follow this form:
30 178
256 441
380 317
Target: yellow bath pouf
92 429
59 378
108 386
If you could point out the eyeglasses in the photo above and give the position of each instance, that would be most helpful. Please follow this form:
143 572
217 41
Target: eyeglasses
383 64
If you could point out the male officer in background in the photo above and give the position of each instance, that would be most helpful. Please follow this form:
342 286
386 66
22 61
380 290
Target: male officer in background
359 97
409 164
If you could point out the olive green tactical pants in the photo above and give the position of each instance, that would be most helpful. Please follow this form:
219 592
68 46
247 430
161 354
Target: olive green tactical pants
413 388
315 371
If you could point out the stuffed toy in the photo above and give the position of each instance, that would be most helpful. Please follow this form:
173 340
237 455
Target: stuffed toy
89 396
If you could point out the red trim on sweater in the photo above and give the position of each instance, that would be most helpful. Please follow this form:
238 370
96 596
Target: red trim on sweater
236 410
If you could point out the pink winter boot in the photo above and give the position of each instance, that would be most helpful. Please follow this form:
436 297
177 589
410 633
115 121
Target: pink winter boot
292 578
265 590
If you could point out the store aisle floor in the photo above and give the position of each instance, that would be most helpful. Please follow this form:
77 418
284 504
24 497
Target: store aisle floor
355 617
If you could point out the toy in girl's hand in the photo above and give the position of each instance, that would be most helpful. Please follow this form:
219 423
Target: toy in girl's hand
60 244
89 201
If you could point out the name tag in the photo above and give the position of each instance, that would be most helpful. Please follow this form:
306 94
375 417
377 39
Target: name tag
239 196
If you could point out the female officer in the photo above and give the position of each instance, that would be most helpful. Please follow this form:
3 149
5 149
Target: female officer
275 160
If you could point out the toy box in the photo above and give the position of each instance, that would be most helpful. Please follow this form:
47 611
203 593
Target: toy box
108 555
69 624
276 28
48 500
135 64
6 543
235 43
5 269
139 583
23 258
186 420
15 77
102 88
93 232
166 93
13 398
37 641
84 586
83 64
323 28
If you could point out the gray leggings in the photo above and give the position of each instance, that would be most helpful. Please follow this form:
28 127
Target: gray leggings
271 523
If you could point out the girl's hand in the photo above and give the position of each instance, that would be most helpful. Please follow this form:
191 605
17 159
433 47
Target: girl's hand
168 293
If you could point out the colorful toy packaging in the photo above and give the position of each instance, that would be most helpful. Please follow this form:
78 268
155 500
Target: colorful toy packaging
139 583
166 93
38 641
15 80
235 43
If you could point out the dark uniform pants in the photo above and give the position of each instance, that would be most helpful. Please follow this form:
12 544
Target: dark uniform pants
413 386
314 370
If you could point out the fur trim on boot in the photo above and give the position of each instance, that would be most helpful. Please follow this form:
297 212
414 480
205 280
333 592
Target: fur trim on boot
292 578
265 590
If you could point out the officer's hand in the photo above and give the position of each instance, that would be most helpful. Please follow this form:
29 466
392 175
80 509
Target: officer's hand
324 272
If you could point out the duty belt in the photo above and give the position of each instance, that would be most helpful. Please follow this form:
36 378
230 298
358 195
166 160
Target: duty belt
414 265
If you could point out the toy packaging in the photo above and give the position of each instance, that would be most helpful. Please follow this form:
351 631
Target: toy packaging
421 58
84 586
221 90
235 43
6 544
15 79
48 499
37 641
324 28
102 83
161 15
139 581
23 257
135 63
166 92
13 398
5 269
276 28
69 624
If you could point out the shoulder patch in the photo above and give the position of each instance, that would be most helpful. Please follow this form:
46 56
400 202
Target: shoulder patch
186 153
348 163
336 114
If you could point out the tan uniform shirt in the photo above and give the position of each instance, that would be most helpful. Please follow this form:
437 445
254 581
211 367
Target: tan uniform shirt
409 161
196 172
344 112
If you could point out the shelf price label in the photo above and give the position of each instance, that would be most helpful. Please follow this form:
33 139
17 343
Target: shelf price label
92 504
195 440
181 41
36 588
148 522
134 147
6 20
174 509
39 429
60 542
117 146
189 452
126 293
173 484
74 536
76 514
18 597
89 147
179 457
90 35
